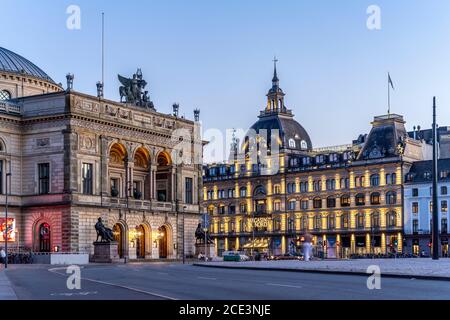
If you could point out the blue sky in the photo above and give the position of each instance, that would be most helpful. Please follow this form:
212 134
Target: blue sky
217 55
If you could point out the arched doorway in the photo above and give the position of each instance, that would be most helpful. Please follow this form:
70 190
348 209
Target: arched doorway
140 242
118 236
44 238
163 242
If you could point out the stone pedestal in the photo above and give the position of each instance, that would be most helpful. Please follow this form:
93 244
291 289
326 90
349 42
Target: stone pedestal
106 252
209 250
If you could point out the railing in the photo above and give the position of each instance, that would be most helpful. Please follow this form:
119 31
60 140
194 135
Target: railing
9 107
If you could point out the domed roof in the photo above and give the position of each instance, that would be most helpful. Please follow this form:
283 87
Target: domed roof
14 63
292 134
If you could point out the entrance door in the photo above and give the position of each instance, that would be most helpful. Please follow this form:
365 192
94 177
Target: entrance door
44 238
140 243
163 243
118 236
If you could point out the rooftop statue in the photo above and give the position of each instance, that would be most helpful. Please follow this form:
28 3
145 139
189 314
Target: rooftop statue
132 91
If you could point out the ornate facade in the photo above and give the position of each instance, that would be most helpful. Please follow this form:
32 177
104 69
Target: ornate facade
349 198
74 158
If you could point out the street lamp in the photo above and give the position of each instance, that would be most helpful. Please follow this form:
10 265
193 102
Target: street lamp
184 256
8 175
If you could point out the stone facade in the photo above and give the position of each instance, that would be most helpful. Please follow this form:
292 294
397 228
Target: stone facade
75 158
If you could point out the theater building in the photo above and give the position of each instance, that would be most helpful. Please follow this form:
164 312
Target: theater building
74 158
349 198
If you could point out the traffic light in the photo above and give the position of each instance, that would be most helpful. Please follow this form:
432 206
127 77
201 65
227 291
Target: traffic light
429 244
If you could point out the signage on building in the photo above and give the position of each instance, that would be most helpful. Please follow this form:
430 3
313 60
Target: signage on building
261 223
8 229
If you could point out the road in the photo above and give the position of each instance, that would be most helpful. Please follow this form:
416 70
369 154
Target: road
164 281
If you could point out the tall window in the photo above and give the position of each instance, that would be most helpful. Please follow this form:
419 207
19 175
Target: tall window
87 178
415 207
304 204
375 220
415 226
243 192
44 178
292 204
375 180
391 197
318 222
5 95
317 203
392 219
304 222
189 191
444 190
360 221
331 202
444 227
444 206
331 222
345 221
415 192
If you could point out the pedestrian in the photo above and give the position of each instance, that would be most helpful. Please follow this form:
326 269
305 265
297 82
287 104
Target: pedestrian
2 256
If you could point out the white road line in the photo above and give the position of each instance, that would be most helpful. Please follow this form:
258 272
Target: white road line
206 278
117 285
282 285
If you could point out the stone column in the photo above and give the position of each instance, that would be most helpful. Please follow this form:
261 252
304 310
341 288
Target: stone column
104 161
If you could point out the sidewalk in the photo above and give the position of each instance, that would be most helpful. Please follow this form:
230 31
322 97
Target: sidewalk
6 290
402 268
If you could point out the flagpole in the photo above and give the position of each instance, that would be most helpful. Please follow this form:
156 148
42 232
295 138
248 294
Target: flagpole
389 97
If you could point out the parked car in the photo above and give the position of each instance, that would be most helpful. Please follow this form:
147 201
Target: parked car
235 256
287 256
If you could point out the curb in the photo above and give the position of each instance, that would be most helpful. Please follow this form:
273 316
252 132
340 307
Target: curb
347 273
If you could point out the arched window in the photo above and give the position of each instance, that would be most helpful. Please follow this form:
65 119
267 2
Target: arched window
44 238
360 199
304 222
360 221
318 222
375 198
391 197
345 200
292 143
303 145
243 192
375 220
392 219
374 180
331 202
331 222
5 95
345 221
317 203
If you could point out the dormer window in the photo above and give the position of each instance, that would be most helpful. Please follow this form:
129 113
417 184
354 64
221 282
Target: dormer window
303 145
427 175
333 157
292 143
306 161
319 159
444 174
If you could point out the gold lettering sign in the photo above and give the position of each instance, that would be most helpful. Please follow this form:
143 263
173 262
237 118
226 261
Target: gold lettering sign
261 223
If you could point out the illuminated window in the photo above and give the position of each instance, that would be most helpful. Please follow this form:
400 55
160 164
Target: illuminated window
415 207
375 220
318 222
360 199
304 222
360 220
444 206
392 219
243 208
345 201
277 206
375 198
345 221
331 222
375 180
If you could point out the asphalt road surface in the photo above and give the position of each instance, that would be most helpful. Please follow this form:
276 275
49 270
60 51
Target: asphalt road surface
158 281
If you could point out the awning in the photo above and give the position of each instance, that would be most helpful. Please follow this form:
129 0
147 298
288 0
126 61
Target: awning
257 244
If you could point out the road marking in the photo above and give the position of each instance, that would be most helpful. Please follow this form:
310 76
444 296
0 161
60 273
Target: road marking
163 273
54 270
282 285
206 278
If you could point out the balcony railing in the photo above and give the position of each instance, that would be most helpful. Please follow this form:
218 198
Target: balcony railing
10 107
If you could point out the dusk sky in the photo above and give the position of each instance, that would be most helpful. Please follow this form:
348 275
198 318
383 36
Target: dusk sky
217 56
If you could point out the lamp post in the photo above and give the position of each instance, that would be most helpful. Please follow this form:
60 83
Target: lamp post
8 175
435 226
184 256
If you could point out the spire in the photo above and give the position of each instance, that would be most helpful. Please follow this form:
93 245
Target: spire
275 80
